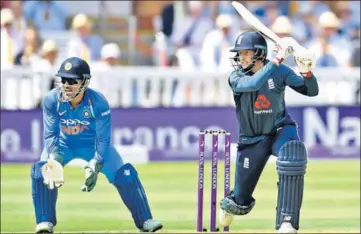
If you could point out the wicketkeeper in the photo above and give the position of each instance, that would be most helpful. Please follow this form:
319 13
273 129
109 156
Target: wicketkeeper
77 124
266 128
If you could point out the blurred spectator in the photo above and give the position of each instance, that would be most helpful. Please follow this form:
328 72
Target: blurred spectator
303 22
355 58
11 41
46 14
347 23
48 52
44 70
355 7
226 8
271 13
331 49
317 7
163 49
217 43
283 28
29 54
108 85
167 19
163 28
4 4
20 22
189 34
284 7
110 55
84 45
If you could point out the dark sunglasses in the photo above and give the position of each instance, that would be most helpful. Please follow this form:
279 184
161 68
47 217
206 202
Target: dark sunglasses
69 81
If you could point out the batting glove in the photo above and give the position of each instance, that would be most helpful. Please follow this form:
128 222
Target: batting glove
284 48
53 172
305 60
92 170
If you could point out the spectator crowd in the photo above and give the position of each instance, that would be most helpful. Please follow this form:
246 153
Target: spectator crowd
40 34
194 35
191 35
198 34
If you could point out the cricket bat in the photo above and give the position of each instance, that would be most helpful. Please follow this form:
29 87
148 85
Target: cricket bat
264 30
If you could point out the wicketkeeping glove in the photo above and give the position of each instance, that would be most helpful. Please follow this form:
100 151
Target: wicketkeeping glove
53 172
92 170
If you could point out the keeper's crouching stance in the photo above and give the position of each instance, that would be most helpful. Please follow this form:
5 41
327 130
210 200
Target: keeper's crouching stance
77 124
266 128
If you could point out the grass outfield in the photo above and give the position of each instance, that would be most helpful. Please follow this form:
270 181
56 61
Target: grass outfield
331 200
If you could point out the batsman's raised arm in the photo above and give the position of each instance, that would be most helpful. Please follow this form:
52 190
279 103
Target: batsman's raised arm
241 83
250 64
305 84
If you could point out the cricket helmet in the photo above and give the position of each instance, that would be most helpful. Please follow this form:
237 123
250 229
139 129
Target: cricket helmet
249 40
73 78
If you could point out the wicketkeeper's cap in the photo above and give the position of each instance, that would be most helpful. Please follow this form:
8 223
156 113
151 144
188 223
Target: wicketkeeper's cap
74 68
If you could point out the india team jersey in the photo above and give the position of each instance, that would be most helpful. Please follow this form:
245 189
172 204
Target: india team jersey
86 126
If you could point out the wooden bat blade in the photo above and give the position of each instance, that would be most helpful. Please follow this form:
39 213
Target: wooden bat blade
254 22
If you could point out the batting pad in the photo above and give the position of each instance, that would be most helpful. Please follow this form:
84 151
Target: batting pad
132 193
44 199
291 167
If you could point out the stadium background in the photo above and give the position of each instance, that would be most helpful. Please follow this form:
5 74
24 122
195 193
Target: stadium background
163 89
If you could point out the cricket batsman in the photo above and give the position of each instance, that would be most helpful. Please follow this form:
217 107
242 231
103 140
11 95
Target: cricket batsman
77 124
266 128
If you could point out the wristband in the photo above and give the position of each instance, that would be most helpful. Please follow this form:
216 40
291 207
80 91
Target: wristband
307 74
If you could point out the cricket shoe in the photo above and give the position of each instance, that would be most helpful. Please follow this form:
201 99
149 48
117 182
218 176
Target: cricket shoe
286 227
151 225
44 227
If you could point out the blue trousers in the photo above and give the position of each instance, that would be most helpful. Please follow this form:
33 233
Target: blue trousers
111 165
252 158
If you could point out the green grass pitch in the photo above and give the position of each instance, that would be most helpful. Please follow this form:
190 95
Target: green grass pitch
331 199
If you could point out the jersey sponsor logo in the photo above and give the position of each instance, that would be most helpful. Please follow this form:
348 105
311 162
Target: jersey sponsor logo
262 105
246 163
271 84
127 172
62 113
105 113
73 122
73 126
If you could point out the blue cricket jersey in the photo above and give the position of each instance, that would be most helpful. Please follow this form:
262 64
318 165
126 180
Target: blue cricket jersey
260 99
88 126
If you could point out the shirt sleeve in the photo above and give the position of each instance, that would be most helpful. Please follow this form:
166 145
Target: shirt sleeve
306 86
252 83
103 131
51 125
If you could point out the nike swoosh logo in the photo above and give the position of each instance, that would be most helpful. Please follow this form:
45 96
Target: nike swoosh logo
62 113
227 144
